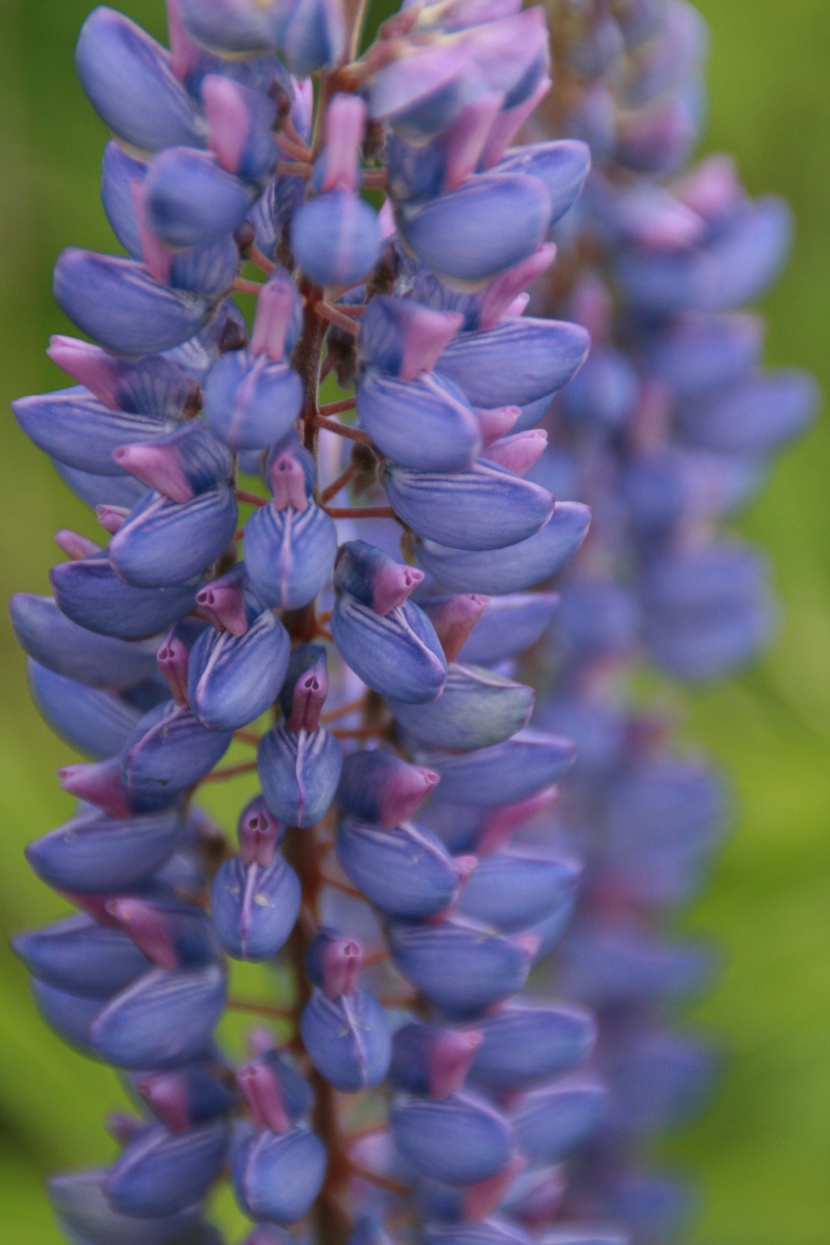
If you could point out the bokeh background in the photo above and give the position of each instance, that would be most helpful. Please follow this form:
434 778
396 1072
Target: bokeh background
761 1154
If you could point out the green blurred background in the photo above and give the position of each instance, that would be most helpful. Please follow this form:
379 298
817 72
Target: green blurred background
761 1154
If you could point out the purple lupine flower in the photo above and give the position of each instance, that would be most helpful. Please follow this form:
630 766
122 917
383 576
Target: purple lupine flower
405 864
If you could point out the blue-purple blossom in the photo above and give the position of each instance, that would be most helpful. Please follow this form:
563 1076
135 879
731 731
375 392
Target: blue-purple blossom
405 577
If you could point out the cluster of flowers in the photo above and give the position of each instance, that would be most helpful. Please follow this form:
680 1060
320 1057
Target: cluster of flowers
667 429
415 1093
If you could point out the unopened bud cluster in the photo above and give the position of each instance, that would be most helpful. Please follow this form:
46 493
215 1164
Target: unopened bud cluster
402 860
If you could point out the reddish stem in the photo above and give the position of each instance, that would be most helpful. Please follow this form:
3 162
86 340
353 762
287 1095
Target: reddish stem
261 1009
252 498
335 316
353 434
256 256
339 483
243 286
335 408
361 512
231 771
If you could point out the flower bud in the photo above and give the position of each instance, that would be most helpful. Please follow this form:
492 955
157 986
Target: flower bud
379 787
460 1141
389 407
373 578
477 709
277 1176
97 853
460 965
551 1121
406 871
524 1044
232 679
184 1097
561 166
180 465
56 642
153 386
161 1173
229 25
404 338
510 625
289 553
347 1039
91 595
90 719
516 362
117 302
517 889
254 907
333 963
240 123
85 1212
398 655
505 773
169 750
251 401
485 507
299 772
75 428
164 542
78 956
163 1020
430 1060
128 78
335 237
515 568
172 935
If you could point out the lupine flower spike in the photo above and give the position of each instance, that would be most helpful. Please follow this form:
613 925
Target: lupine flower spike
400 574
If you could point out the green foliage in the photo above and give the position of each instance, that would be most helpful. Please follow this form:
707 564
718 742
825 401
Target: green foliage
758 1151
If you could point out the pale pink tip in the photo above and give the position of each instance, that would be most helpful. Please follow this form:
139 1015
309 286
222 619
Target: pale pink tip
480 1200
502 292
288 483
99 783
519 452
172 660
158 467
112 518
466 138
451 1059
496 421
503 823
167 1098
156 257
228 121
510 122
147 928
224 605
465 867
74 545
87 364
427 334
393 585
275 307
454 618
261 1091
529 943
342 961
345 126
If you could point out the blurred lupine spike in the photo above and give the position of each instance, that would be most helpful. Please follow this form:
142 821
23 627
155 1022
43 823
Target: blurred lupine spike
458 690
